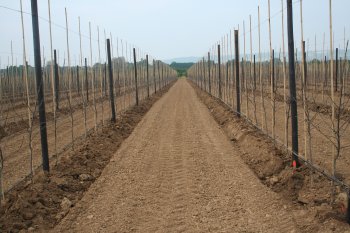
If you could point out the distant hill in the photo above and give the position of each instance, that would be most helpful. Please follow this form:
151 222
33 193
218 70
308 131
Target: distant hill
181 68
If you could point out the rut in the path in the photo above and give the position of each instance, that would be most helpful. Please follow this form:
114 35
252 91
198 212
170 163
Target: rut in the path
178 172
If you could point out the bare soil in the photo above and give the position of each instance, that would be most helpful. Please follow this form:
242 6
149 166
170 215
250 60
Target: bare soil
179 172
307 194
15 143
190 165
40 205
322 135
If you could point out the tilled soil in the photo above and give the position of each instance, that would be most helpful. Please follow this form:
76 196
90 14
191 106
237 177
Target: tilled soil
40 205
307 194
179 172
15 143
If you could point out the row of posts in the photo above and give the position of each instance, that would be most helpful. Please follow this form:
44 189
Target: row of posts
39 83
292 82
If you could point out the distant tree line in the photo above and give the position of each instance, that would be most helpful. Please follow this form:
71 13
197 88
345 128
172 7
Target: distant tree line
181 68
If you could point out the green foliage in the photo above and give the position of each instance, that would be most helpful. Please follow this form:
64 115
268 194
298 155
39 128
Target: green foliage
181 68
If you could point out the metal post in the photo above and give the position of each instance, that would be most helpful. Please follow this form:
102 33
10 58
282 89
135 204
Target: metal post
159 87
39 86
136 87
203 72
292 85
105 79
162 75
273 71
348 210
238 88
78 85
209 81
86 82
336 69
304 67
154 76
147 75
254 73
56 81
110 71
219 72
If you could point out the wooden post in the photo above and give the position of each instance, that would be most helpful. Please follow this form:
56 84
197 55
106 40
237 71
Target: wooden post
39 86
136 87
110 72
238 88
292 85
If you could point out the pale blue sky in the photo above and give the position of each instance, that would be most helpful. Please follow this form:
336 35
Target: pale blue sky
165 28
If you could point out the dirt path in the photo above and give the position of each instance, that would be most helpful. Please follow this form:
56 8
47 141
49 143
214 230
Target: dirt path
178 172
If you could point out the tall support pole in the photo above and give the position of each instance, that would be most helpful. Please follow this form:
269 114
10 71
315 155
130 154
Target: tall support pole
263 111
78 83
136 87
292 86
209 81
286 107
348 211
238 88
162 75
219 72
147 75
56 81
39 87
303 84
154 76
52 65
159 84
68 55
271 74
86 82
93 80
110 72
334 121
203 72
25 75
336 69
100 73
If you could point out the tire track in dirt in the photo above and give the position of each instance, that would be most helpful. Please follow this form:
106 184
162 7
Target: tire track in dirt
178 172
